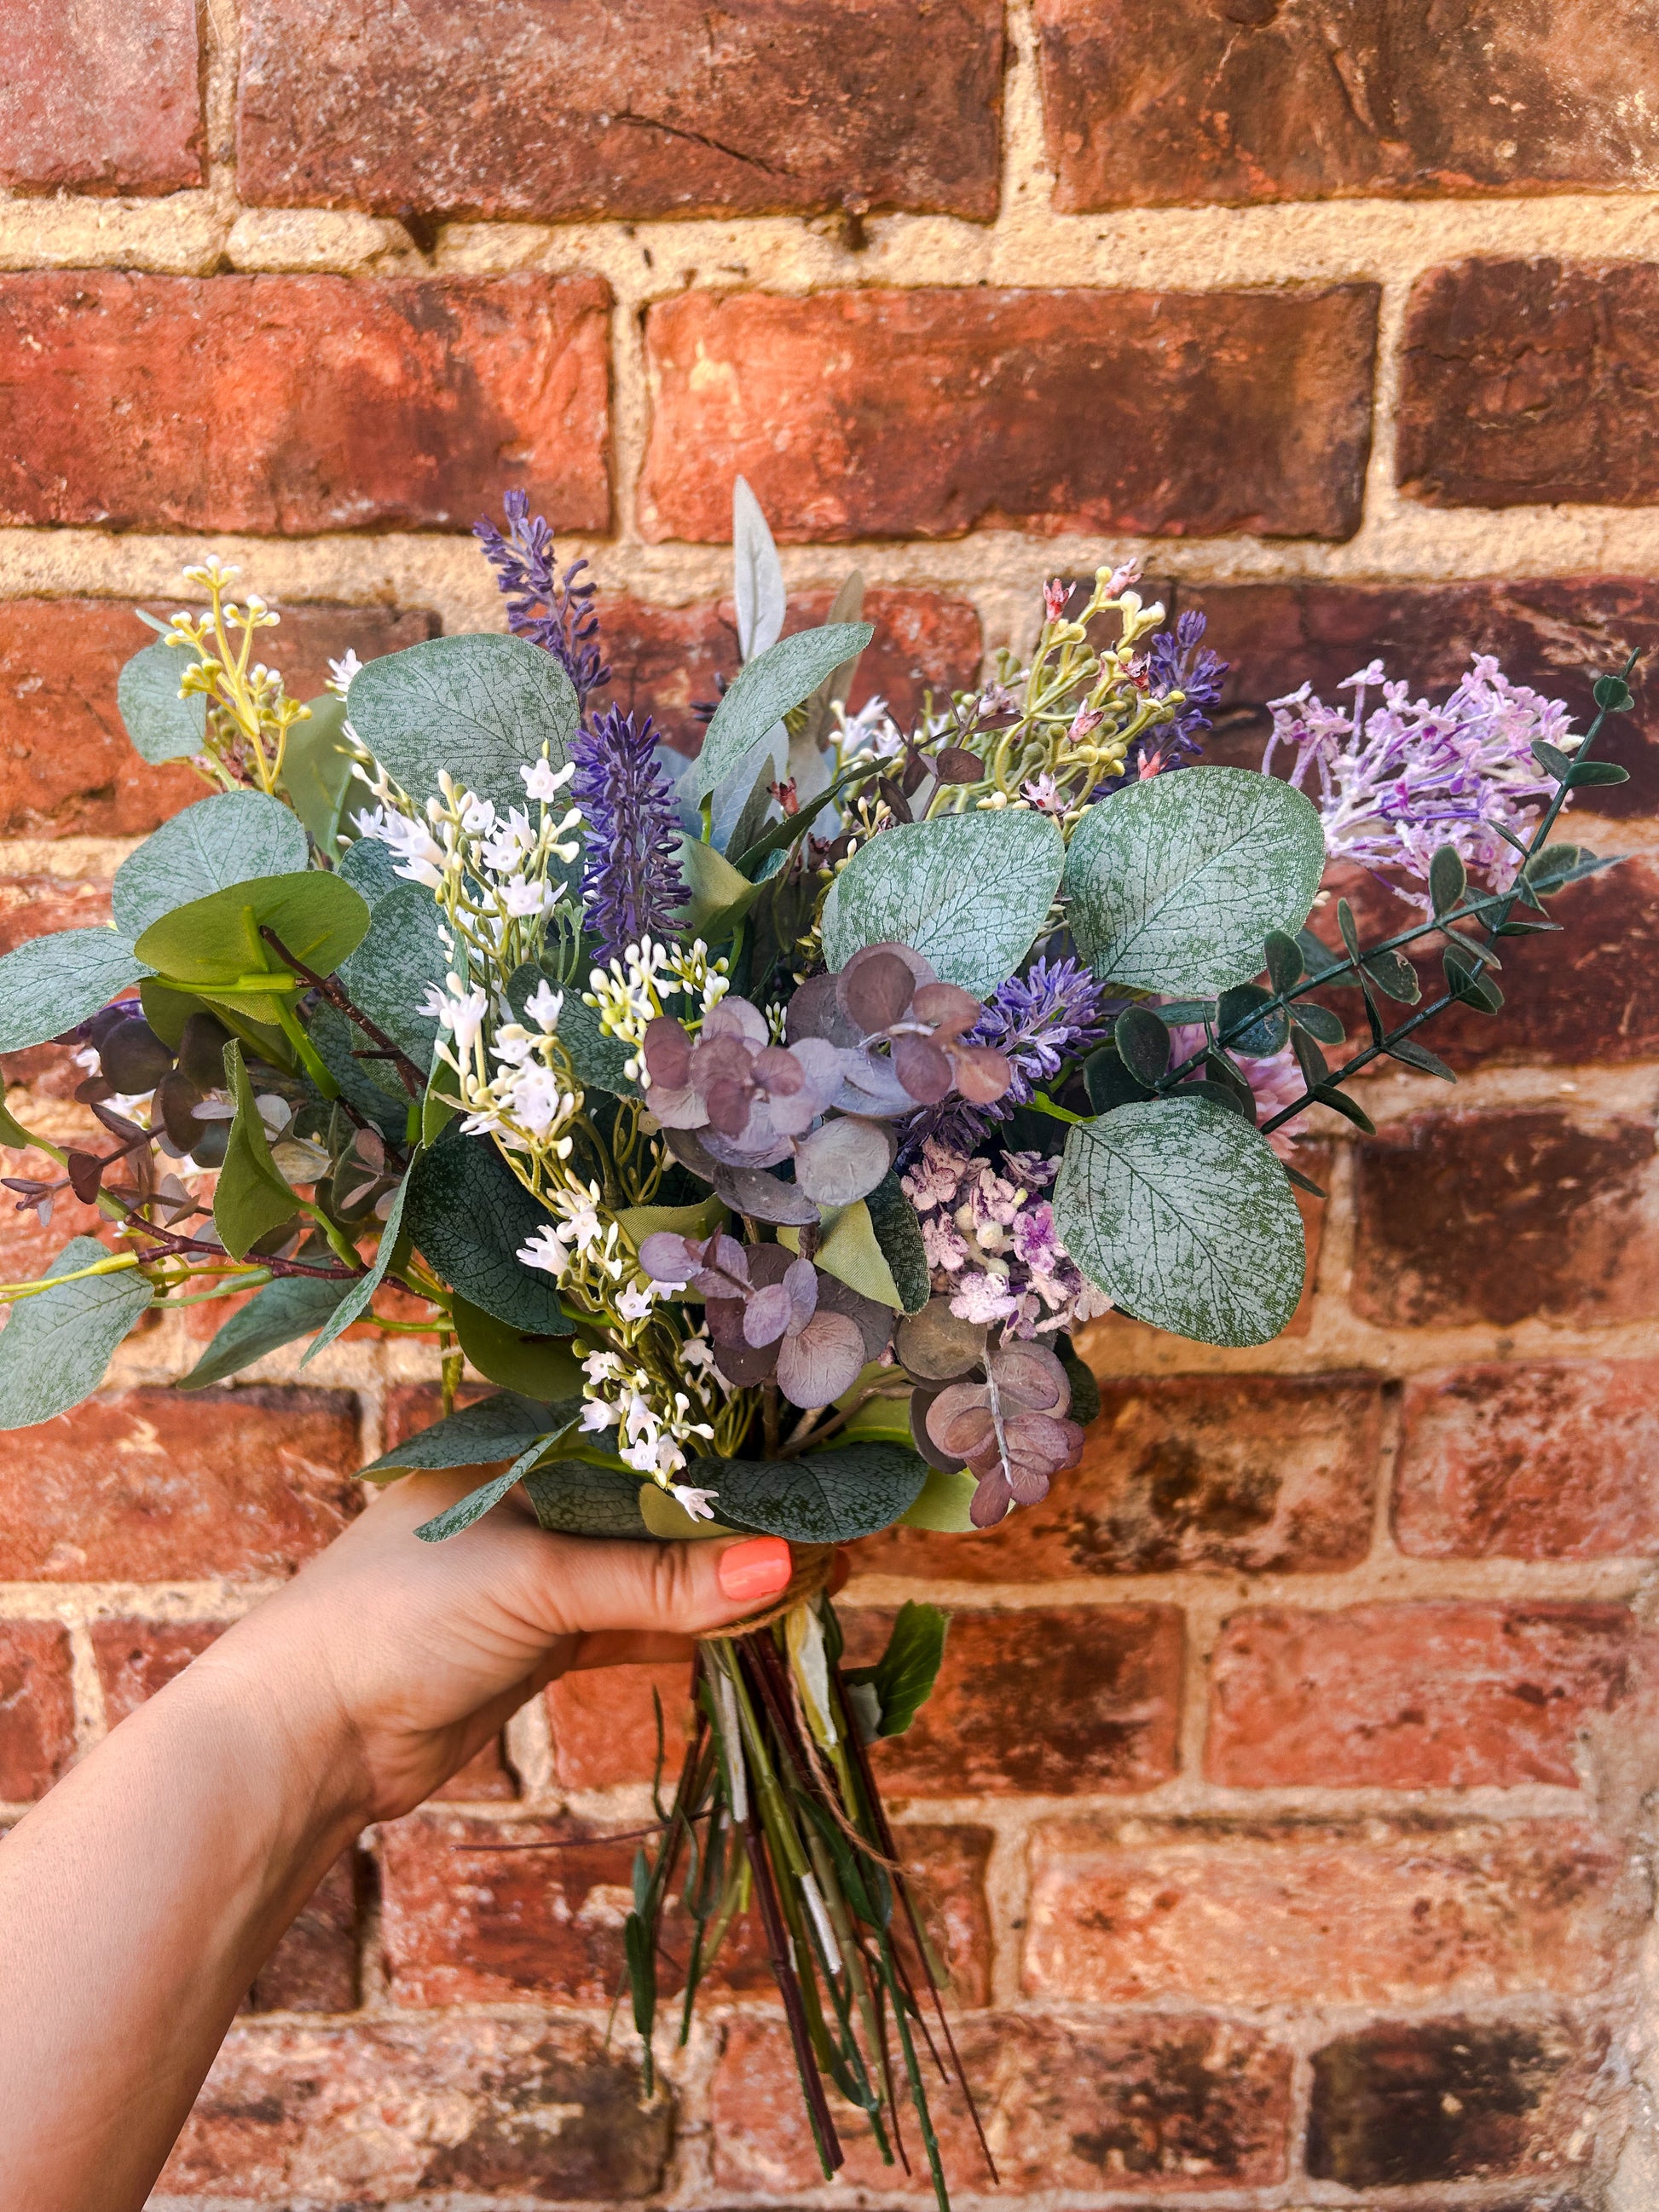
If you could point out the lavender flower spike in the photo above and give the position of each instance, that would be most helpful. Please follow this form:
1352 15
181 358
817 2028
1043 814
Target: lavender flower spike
632 884
566 624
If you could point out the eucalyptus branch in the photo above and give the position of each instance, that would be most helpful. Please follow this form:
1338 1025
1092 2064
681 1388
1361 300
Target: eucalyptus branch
325 988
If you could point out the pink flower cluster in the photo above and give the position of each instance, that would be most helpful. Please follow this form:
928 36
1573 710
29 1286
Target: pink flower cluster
992 1244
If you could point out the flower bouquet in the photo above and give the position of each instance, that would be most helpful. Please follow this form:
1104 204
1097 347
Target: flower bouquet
762 1124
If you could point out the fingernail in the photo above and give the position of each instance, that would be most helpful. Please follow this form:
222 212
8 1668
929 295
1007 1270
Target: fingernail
758 1569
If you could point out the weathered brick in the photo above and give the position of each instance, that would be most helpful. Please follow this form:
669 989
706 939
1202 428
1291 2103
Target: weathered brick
37 1707
670 110
67 767
1532 1462
101 95
1412 1697
886 414
1452 2100
136 1658
1141 2104
1307 1912
487 1774
290 405
314 1967
1262 1474
1054 1702
1521 384
664 661
1553 633
604 1724
1489 1217
374 2114
1148 104
150 1485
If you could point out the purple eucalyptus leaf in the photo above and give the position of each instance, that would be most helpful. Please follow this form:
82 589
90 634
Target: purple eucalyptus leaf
800 1285
768 1315
875 991
668 1257
844 1161
815 1366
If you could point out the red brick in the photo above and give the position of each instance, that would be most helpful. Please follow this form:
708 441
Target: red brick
671 110
1150 105
1061 1702
314 1967
605 1725
1454 2100
1533 1463
1148 2104
486 1775
365 2114
883 413
136 1658
37 1707
947 1868
664 661
1412 1697
1490 1216
151 1486
1520 382
1303 1912
101 95
66 765
1556 633
290 405
1262 1474
411 1406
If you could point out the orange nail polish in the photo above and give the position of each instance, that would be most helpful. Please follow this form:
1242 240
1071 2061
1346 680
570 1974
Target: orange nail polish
758 1569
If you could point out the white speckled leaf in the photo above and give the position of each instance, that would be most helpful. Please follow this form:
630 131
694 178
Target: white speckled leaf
479 706
1180 1211
234 837
55 1347
161 726
1174 883
49 984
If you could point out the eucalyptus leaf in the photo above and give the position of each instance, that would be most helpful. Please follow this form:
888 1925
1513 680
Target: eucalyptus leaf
360 1295
233 837
474 1436
55 1344
477 1502
371 869
316 766
898 1232
847 1249
600 1061
1174 883
161 726
535 1366
1265 1035
968 891
762 693
251 1198
701 1220
718 896
823 1497
290 1308
370 1085
468 1214
478 706
944 1502
386 976
51 984
213 946
573 1499
1179 1211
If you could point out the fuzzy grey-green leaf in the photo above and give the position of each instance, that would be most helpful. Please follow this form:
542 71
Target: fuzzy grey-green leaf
388 974
234 837
469 1214
1179 1210
479 706
55 1344
161 726
49 984
573 1499
290 1308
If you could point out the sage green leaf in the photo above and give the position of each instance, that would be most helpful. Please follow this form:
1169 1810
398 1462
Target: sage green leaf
535 1366
944 1502
233 837
718 898
477 1502
478 706
1174 883
371 869
282 1312
757 586
251 1198
701 1220
469 1214
475 1436
360 1295
903 1677
763 692
49 984
213 946
161 726
1178 1210
55 1347
849 1249
823 1497
571 1499
386 976
317 769
969 891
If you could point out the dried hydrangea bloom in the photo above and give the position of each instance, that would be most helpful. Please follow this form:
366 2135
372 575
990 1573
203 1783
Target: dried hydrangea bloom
1011 1430
766 1314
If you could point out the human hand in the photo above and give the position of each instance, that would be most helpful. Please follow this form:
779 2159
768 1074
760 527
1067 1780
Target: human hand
394 1661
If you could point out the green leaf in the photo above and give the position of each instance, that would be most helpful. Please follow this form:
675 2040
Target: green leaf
1418 1056
358 1298
757 586
469 1213
234 837
898 1232
1467 983
573 1499
495 1429
535 1366
213 946
12 1131
478 706
1174 883
1332 1095
761 694
317 769
477 1502
1286 966
600 1061
1613 695
1265 1036
719 897
1143 1044
903 1677
388 973
1085 1388
703 1219
371 1086
823 1497
161 726
968 891
282 1312
1393 974
849 1249
1109 1083
56 1346
251 1198
1319 1021
1448 878
50 984
1179 1212
943 1503
1553 762
1587 771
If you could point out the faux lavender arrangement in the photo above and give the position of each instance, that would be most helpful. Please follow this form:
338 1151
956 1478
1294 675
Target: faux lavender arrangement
763 1126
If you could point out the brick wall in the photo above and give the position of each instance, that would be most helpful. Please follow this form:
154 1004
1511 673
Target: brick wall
1282 1805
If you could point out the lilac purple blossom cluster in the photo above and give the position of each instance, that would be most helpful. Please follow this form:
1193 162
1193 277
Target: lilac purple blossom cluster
991 1242
1396 783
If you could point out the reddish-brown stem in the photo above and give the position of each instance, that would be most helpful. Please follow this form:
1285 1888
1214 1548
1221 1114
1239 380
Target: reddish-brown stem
325 987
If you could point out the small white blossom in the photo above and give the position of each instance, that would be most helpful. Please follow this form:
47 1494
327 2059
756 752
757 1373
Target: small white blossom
699 1504
547 1250
542 781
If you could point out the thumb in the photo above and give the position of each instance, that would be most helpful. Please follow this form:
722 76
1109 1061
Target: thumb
587 1586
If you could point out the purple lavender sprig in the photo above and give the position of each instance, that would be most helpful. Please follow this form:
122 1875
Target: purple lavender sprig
1177 660
551 610
631 881
1053 1013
